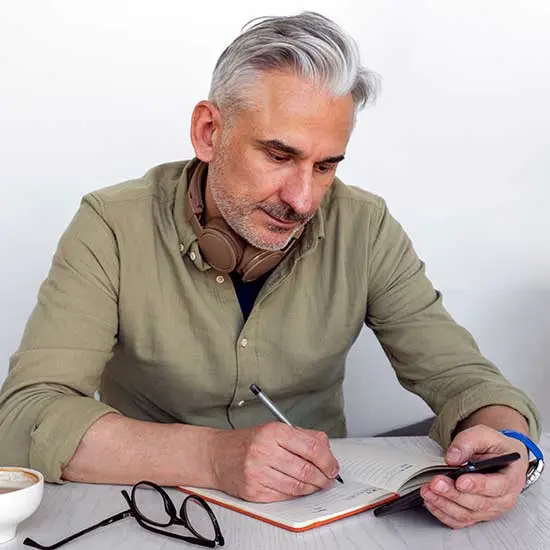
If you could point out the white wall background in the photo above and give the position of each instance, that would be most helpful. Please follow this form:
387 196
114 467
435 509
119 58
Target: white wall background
96 92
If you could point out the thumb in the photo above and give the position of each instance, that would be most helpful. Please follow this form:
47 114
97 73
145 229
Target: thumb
472 441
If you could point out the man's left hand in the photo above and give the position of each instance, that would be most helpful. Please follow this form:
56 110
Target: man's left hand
477 497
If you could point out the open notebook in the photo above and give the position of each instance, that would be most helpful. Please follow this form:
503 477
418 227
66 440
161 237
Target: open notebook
373 474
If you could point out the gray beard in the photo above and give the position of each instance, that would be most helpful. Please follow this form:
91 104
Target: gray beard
237 222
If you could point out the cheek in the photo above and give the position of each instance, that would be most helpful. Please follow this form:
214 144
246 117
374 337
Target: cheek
259 180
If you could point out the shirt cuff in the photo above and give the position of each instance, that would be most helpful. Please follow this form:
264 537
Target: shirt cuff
58 432
479 396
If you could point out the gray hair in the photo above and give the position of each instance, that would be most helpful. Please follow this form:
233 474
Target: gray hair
308 44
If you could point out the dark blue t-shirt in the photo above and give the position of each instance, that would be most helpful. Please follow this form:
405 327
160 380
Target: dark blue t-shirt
248 292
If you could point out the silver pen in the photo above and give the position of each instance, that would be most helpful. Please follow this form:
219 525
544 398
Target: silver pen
256 390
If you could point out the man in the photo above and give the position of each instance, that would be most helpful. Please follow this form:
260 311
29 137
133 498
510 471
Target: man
251 263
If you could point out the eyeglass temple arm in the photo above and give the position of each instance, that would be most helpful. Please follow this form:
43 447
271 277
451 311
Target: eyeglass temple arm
117 517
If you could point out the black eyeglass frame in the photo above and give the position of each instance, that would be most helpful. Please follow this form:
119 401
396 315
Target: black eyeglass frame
149 524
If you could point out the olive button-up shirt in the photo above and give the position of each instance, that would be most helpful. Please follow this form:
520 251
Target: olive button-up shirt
131 308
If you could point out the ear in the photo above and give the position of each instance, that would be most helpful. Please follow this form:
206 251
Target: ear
205 130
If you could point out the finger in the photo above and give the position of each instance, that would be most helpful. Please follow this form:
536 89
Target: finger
277 486
492 485
298 471
293 487
458 514
311 447
484 509
444 518
488 486
445 488
261 482
477 440
441 489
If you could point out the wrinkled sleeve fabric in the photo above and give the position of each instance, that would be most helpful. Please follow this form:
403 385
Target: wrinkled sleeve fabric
431 354
47 400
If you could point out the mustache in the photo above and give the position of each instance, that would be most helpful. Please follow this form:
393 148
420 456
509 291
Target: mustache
285 213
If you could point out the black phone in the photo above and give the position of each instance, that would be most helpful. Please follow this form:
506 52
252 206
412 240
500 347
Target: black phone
414 499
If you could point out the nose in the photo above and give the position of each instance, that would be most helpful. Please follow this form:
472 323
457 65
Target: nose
298 190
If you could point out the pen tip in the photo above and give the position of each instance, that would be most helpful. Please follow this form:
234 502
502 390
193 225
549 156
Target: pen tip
255 389
338 478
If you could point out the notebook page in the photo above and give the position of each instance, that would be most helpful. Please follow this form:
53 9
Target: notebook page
332 502
378 465
324 504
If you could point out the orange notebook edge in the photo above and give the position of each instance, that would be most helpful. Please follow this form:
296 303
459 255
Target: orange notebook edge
284 525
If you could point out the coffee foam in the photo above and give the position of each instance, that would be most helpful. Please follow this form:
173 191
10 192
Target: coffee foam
12 479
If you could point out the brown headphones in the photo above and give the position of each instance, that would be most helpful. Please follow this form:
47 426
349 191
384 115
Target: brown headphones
222 248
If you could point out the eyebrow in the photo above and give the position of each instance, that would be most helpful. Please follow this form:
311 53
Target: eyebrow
283 147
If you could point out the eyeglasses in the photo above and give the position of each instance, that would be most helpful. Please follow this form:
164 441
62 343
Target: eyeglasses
152 508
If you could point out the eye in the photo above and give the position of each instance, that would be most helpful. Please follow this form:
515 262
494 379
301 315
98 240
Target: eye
325 168
277 157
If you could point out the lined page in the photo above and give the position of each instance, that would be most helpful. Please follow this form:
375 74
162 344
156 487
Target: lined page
332 502
324 504
376 464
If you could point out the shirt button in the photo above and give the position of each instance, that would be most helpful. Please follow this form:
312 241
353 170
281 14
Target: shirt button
193 256
244 343
181 247
220 279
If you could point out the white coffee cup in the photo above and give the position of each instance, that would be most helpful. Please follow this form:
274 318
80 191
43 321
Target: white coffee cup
20 495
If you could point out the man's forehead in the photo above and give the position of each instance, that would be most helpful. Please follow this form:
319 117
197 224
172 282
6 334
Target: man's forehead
296 126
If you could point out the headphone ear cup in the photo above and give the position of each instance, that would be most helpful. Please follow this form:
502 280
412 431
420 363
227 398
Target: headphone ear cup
221 247
257 262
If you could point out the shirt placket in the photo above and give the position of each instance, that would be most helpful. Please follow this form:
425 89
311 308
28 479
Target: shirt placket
242 336
243 404
238 413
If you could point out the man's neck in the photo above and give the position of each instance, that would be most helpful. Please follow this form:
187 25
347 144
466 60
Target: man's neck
210 208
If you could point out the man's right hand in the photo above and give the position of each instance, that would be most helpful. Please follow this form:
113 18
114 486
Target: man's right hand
271 462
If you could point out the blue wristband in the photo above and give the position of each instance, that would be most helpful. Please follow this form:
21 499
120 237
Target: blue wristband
527 441
536 466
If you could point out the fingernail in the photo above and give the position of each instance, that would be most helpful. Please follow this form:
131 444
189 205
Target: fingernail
441 486
465 484
428 495
454 454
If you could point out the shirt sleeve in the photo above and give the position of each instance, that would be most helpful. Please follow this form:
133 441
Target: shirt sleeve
432 355
47 400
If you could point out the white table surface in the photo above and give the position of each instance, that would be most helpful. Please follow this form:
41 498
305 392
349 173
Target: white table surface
71 507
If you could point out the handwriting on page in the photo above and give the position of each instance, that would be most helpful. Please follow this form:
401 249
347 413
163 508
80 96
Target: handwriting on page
330 501
379 466
385 475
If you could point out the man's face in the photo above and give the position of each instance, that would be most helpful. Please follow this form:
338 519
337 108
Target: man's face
273 163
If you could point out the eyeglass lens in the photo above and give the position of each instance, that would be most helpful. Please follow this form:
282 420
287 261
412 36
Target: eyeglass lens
198 519
151 506
155 507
